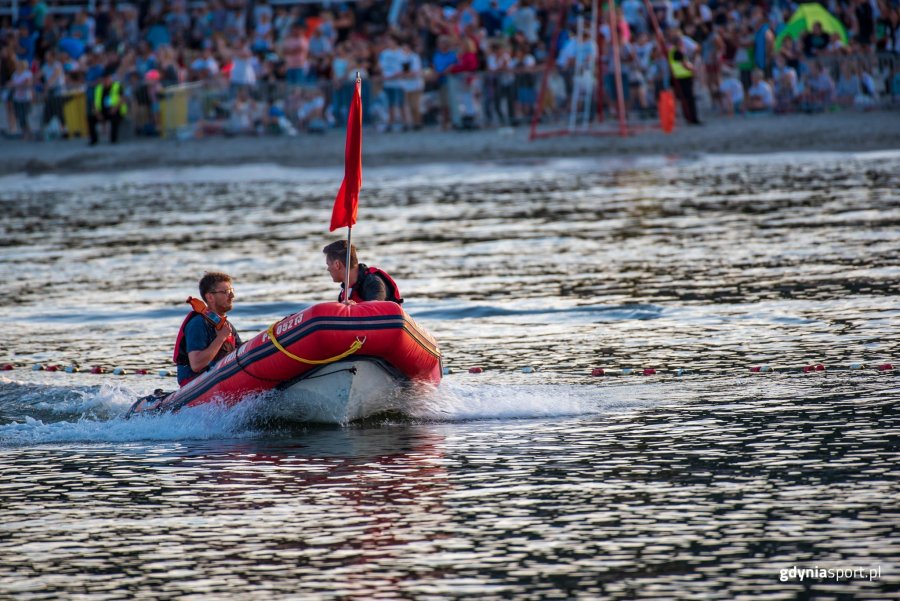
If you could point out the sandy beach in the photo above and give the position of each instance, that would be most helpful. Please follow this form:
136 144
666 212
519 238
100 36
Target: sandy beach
845 131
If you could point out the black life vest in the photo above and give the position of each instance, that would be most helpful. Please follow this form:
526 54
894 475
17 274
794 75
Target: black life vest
390 286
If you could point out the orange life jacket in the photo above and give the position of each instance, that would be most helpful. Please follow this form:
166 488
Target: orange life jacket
180 354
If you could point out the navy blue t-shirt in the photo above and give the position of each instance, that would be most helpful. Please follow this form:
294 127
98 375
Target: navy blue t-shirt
199 334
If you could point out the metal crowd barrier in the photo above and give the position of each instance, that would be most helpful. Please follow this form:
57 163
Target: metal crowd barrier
883 67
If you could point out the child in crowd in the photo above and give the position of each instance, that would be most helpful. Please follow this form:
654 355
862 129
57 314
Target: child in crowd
787 88
818 89
760 96
732 92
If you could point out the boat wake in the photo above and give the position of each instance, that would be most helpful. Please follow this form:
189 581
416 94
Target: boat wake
35 414
465 402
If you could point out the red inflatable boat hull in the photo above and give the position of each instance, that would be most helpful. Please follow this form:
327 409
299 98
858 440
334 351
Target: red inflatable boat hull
318 336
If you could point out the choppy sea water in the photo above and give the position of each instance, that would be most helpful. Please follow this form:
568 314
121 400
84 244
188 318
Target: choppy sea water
717 484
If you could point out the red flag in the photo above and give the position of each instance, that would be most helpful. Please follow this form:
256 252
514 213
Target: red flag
344 212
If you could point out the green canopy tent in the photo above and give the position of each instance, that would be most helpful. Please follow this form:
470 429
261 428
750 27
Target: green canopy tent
803 20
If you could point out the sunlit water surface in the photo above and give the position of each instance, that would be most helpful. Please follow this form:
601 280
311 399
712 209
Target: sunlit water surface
535 484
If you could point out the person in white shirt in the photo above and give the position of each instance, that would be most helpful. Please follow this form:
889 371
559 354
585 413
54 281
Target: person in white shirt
574 47
523 64
575 53
262 10
243 115
263 33
243 68
836 45
205 66
819 88
868 96
787 88
499 66
22 85
311 112
643 49
690 46
54 77
732 92
283 21
760 96
390 60
706 14
525 19
295 51
320 44
635 15
848 85
178 21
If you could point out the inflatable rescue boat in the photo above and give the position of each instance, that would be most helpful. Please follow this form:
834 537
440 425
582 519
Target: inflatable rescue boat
330 363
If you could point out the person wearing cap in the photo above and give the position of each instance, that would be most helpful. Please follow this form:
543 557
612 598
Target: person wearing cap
108 106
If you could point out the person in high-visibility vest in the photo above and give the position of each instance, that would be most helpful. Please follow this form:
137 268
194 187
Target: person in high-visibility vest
683 78
108 106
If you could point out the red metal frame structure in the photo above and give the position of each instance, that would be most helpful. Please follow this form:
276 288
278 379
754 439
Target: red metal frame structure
624 128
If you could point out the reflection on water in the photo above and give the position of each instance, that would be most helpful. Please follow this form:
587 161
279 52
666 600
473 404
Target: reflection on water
506 484
696 497
723 263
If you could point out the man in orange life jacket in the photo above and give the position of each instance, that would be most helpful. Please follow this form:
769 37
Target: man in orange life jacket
199 343
366 283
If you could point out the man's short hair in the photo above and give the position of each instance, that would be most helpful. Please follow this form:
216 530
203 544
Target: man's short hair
210 280
337 251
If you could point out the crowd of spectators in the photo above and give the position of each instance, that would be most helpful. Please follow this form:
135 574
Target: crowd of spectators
463 63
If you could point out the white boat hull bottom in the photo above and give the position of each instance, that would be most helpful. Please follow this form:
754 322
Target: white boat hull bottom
340 393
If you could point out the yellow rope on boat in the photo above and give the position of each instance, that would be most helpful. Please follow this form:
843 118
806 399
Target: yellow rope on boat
357 344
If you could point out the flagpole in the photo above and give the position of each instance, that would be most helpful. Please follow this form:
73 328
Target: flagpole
347 269
349 233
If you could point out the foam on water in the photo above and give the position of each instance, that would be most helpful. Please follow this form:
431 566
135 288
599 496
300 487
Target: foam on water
36 432
96 414
612 487
60 414
110 399
456 401
107 399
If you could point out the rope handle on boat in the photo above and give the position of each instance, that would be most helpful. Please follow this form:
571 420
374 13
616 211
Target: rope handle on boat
357 344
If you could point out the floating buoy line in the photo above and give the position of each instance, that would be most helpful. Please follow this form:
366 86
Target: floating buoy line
595 372
96 369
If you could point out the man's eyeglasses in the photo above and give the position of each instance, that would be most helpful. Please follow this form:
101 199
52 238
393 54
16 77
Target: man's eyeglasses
229 292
